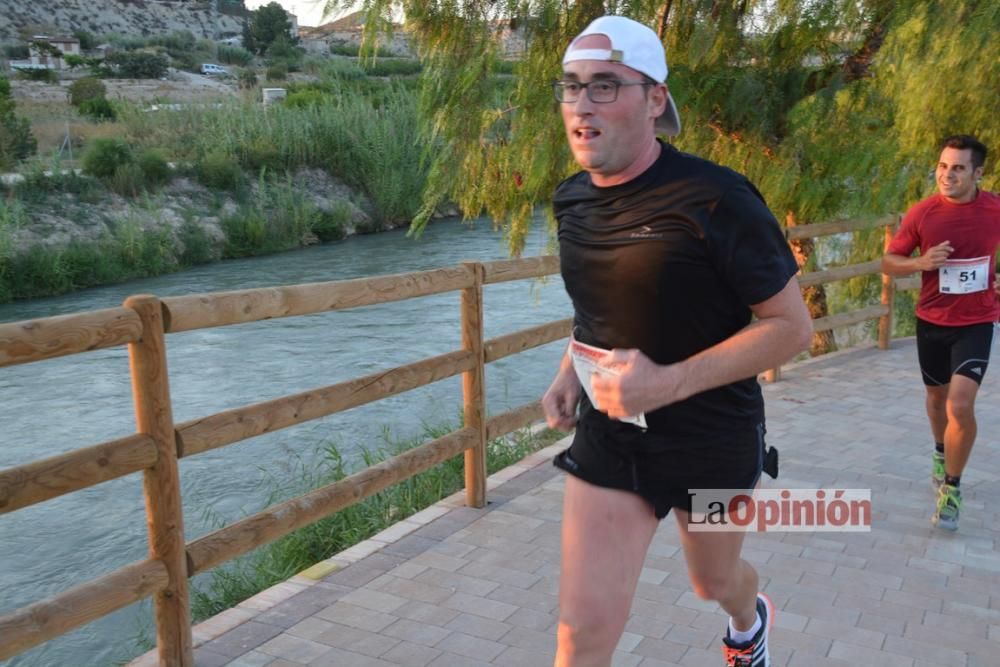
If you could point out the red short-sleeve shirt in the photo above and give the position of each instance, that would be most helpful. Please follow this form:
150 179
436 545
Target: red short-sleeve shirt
973 230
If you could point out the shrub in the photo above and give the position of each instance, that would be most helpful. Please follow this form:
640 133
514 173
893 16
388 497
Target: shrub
74 61
306 98
137 64
247 78
189 62
346 70
46 75
331 225
103 157
87 39
87 88
261 153
176 41
234 55
342 48
155 170
277 72
37 185
16 140
127 180
196 246
17 51
99 108
219 171
246 234
392 67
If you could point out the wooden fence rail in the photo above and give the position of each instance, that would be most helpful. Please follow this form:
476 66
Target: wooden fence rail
143 324
881 312
155 448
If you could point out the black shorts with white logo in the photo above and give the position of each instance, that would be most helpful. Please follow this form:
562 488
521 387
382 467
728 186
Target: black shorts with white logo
947 351
659 470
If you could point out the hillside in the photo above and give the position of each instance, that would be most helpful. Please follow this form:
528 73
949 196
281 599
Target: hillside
126 17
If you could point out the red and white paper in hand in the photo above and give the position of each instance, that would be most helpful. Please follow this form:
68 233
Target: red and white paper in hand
586 362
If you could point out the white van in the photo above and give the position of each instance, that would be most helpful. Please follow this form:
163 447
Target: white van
214 70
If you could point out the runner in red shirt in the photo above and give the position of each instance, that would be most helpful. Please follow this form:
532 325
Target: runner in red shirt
958 232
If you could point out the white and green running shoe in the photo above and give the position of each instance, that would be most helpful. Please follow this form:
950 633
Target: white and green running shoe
937 470
949 503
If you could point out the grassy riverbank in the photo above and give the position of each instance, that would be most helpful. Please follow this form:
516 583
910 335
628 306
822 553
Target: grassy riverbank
234 188
232 583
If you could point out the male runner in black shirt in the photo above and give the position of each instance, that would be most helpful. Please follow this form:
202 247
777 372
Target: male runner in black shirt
666 258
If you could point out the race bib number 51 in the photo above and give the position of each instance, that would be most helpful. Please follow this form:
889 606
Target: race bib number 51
964 276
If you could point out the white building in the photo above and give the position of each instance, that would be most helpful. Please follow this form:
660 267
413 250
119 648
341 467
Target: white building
47 51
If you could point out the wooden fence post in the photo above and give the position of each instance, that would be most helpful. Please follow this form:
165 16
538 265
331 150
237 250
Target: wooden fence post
161 482
888 297
473 388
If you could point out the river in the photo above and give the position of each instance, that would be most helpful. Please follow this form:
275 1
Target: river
55 406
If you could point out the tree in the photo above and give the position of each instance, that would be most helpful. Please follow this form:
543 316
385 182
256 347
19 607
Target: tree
137 64
266 25
833 107
16 140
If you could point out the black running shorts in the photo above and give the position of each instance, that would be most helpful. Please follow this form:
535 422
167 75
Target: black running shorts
947 351
659 470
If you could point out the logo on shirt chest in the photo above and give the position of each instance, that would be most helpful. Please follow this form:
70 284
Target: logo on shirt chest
646 232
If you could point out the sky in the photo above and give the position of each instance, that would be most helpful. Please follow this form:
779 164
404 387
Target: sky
309 12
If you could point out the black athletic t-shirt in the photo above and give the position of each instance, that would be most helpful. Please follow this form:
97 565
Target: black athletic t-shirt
669 263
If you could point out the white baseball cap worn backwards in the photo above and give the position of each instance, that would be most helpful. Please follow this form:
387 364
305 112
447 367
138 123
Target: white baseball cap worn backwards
636 46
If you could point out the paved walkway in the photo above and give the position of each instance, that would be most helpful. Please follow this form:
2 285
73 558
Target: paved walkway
460 587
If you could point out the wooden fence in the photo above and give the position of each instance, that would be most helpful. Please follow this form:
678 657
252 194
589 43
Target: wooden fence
142 324
881 311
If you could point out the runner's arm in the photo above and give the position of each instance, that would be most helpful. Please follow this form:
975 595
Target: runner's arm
783 328
899 265
560 400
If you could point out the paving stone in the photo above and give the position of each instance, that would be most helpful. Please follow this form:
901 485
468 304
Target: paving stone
850 634
243 638
408 654
416 590
543 602
477 626
861 655
296 649
416 632
251 659
342 658
470 646
515 656
532 620
661 649
302 605
204 657
531 640
458 582
500 574
356 617
374 600
455 660
410 546
479 606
